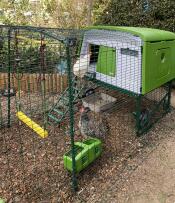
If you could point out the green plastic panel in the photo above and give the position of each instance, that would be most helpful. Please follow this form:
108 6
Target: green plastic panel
158 66
85 153
146 34
107 61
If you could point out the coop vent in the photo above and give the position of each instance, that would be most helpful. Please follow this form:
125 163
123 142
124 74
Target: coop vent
129 52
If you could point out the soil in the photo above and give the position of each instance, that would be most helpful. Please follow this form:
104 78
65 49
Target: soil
149 177
130 169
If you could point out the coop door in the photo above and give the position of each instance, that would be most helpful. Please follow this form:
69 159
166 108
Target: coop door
163 60
107 61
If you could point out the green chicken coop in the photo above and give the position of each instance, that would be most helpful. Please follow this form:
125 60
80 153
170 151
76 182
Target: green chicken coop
133 60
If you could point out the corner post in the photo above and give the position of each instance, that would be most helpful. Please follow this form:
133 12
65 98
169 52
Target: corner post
71 115
9 79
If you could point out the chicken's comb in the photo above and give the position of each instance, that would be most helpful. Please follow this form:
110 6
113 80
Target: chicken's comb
82 109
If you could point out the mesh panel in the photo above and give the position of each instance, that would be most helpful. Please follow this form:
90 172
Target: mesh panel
69 100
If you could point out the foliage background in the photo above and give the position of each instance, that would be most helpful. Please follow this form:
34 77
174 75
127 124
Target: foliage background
80 13
47 13
160 14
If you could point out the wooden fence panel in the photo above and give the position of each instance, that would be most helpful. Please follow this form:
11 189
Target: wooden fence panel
32 82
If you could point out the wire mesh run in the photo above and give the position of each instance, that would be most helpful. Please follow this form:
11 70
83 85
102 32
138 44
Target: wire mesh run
66 96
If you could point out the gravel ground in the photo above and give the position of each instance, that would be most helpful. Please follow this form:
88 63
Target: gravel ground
150 176
154 181
32 169
139 176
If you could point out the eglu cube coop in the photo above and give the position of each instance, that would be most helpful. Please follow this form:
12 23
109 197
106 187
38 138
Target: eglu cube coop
136 61
46 75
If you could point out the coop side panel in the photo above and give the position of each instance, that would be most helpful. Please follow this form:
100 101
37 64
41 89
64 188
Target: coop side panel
119 60
128 69
158 65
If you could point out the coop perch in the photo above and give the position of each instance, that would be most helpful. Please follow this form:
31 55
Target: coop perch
31 124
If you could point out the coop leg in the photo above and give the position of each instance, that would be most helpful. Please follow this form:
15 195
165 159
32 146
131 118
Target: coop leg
169 96
138 114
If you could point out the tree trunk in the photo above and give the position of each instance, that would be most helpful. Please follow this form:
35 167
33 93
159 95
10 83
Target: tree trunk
89 15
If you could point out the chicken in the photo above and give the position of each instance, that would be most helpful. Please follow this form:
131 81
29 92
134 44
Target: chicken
90 126
81 66
173 98
158 94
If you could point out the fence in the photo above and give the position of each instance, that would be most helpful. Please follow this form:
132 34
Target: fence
53 82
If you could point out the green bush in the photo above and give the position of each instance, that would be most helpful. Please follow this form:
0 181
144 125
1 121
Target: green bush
29 59
160 14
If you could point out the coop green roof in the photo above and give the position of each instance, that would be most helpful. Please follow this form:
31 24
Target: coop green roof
146 34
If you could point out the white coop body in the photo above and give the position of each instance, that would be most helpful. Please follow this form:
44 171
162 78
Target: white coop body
128 65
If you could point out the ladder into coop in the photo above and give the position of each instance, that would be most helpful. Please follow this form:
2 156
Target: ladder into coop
61 108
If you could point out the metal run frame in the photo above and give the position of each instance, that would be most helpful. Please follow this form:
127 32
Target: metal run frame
67 40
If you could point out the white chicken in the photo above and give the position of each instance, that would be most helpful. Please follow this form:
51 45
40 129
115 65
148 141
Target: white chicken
173 98
89 126
81 66
158 94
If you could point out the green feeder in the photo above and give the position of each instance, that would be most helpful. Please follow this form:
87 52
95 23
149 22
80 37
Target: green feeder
2 201
85 153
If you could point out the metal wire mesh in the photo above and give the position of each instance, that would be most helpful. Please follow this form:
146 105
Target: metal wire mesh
85 89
